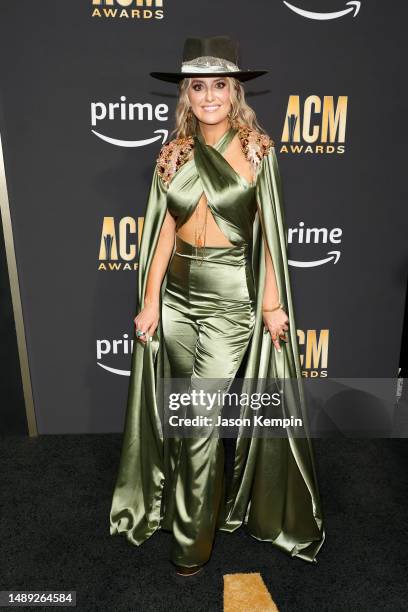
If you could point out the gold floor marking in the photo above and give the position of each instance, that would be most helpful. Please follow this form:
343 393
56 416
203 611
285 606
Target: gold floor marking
247 593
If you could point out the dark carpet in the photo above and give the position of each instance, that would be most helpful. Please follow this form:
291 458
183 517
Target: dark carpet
56 493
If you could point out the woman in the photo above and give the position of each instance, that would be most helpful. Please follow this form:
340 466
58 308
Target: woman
206 307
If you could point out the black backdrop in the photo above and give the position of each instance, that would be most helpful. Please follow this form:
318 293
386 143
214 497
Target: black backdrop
76 169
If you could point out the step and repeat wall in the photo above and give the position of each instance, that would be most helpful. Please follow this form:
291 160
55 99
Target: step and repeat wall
82 123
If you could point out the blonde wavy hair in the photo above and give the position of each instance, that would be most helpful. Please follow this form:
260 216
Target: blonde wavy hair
241 114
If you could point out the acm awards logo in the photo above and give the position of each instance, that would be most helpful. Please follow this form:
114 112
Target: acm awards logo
315 125
119 244
128 9
313 352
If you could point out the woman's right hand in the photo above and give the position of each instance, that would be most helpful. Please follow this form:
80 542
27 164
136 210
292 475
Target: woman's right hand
276 322
147 320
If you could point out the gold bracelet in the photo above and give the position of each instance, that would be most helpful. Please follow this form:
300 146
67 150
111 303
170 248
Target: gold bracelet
272 309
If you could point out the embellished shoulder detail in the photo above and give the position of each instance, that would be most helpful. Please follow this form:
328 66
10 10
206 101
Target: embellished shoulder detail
172 156
255 145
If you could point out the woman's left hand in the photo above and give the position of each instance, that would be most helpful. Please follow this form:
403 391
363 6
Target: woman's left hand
276 323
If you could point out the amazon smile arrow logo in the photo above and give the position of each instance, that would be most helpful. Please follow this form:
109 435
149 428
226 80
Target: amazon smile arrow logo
161 134
114 370
334 257
354 7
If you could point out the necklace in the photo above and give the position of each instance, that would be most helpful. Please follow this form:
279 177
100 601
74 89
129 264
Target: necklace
200 235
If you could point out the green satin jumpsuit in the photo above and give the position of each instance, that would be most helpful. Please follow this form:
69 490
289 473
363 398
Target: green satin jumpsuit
211 316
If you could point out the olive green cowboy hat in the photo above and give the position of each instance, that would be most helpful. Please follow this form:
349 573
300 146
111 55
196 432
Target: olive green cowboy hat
211 56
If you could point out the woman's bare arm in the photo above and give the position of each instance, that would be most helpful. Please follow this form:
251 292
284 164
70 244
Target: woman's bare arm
277 321
148 318
160 261
271 293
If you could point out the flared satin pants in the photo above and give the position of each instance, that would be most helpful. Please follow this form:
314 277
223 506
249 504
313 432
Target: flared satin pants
208 315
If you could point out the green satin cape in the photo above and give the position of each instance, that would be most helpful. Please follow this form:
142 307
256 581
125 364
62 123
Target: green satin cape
274 488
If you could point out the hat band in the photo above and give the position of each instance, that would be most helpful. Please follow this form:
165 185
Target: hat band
208 63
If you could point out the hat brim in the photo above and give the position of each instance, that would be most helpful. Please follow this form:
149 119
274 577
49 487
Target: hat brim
175 77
